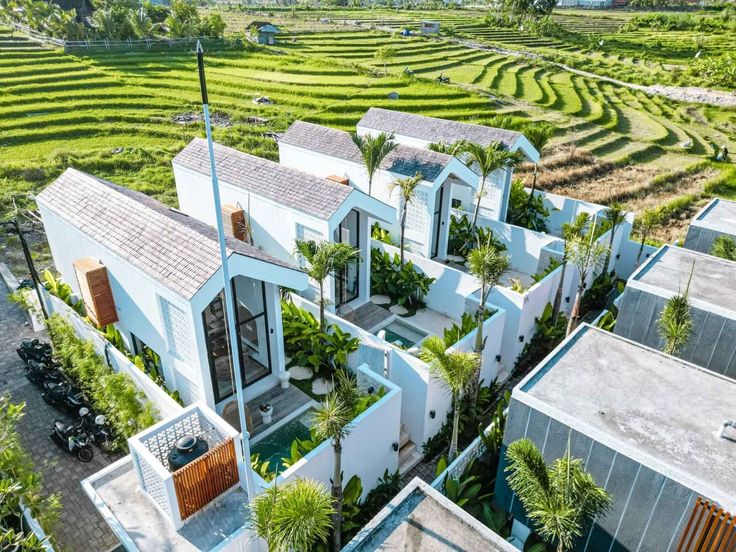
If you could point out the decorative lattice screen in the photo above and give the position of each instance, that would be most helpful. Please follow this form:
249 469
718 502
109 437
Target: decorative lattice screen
178 334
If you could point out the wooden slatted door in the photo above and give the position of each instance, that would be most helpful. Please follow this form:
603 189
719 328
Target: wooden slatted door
201 481
710 529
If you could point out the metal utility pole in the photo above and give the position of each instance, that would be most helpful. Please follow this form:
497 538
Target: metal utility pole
29 261
228 290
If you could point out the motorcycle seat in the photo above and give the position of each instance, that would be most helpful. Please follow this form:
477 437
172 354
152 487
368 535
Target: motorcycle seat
60 426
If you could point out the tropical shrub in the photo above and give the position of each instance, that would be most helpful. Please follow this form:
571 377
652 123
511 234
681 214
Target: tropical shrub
403 284
463 237
724 247
552 264
381 234
324 351
457 331
113 394
596 296
608 320
20 482
525 211
56 286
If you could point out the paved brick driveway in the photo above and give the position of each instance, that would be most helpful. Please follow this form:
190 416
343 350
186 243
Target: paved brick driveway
80 527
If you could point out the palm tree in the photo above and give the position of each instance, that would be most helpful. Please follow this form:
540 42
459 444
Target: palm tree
539 134
586 253
649 221
490 158
141 24
487 264
614 214
374 150
293 517
325 259
724 247
560 499
331 421
569 231
675 323
456 370
407 188
455 148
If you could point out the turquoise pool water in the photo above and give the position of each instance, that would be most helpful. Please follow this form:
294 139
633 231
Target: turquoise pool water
398 331
277 444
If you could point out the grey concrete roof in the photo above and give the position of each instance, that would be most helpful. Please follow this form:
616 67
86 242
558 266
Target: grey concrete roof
433 129
719 214
654 408
421 518
713 282
149 531
404 160
178 251
292 188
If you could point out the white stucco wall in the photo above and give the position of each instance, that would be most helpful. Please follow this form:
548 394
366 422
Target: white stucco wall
137 301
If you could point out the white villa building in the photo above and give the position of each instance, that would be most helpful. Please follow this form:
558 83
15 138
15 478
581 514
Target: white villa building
325 152
420 131
279 205
163 269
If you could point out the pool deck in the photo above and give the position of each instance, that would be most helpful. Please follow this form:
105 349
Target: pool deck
284 401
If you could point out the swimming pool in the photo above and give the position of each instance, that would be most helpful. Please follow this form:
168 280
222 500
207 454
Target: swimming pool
276 444
398 331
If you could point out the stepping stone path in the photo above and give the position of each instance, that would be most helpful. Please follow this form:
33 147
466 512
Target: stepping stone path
301 373
380 299
455 258
398 309
321 386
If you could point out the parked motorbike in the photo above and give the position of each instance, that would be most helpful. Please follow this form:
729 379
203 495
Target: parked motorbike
33 349
442 79
39 373
98 430
73 439
63 395
408 72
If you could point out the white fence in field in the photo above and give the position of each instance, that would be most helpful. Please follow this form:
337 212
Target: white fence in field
107 44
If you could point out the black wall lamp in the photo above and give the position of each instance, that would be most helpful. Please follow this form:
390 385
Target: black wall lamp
432 414
395 446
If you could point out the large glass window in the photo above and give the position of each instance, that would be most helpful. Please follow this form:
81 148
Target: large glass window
253 342
347 284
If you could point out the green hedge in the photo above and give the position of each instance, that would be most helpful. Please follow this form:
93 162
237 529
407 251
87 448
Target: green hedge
113 394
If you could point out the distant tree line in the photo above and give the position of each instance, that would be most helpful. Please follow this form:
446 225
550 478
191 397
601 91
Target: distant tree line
116 20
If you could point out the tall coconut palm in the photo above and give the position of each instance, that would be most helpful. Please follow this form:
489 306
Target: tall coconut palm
331 421
724 247
487 159
455 148
614 214
373 150
456 371
293 517
539 134
645 224
488 265
407 189
586 253
675 323
325 259
560 499
569 231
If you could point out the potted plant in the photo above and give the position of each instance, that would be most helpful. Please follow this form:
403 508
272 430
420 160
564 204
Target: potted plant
266 411
284 379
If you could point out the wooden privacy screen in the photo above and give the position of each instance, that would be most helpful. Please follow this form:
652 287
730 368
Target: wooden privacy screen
710 529
94 286
201 481
233 221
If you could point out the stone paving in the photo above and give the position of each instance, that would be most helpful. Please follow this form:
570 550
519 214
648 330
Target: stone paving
80 527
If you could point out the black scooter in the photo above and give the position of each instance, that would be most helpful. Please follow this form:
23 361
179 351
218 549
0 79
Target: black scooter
39 373
97 429
73 439
64 395
33 349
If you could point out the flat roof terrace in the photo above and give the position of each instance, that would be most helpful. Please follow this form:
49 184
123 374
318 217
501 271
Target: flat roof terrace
720 214
713 282
658 410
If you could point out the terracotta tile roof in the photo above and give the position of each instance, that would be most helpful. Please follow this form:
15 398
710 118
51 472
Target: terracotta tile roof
404 160
433 129
293 188
180 252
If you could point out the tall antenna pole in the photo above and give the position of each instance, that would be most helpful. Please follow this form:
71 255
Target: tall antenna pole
228 290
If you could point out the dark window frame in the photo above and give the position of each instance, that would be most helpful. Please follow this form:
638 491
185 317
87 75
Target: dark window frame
340 281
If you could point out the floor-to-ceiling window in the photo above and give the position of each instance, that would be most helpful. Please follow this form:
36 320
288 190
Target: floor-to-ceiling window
437 222
252 326
347 284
